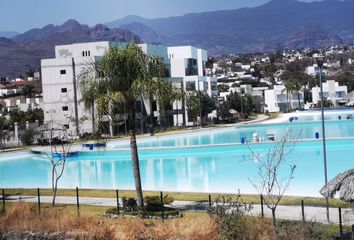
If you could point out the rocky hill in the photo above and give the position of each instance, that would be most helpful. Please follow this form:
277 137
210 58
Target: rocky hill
24 51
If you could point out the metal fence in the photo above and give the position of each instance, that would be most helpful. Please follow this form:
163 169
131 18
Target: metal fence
302 212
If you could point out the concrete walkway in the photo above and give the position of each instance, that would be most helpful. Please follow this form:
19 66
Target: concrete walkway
317 214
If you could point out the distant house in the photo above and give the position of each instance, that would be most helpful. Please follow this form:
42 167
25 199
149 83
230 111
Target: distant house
331 91
278 100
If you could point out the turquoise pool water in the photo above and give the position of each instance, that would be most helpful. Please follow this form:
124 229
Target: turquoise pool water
299 130
208 168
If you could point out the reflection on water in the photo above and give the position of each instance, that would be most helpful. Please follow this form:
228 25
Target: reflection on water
211 169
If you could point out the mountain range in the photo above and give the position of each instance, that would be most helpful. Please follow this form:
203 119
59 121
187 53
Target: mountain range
274 26
7 34
24 51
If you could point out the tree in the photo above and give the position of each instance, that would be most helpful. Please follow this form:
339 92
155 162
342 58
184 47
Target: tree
124 75
169 93
199 104
30 90
16 115
193 106
270 183
295 82
223 88
156 73
224 113
59 144
289 88
346 79
4 130
90 90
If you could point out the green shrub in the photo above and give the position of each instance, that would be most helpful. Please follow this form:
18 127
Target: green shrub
156 200
153 203
28 136
296 230
129 204
230 217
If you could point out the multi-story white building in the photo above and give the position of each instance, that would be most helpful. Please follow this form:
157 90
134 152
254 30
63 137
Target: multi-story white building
331 91
278 100
188 64
60 78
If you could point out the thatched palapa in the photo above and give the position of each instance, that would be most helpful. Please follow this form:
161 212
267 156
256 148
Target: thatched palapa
342 183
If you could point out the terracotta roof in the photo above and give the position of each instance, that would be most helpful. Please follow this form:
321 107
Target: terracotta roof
21 83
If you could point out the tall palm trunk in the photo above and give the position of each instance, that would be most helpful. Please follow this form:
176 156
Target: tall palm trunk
298 99
93 117
152 129
134 154
287 100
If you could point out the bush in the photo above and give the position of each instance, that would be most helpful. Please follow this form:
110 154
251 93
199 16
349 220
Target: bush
295 230
233 223
157 200
28 136
153 203
230 217
129 204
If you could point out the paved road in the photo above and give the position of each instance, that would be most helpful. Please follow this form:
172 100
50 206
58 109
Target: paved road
317 214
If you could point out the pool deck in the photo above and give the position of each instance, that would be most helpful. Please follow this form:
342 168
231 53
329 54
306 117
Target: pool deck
316 214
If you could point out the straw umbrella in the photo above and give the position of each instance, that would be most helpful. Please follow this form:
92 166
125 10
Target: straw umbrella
343 184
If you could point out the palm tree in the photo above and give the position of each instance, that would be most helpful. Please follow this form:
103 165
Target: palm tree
295 82
124 75
289 88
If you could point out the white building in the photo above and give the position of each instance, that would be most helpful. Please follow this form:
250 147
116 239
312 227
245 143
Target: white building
188 64
60 76
331 91
278 100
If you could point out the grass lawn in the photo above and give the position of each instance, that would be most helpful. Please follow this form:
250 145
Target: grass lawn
287 200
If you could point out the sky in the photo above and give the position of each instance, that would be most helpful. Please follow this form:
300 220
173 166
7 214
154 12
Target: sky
22 15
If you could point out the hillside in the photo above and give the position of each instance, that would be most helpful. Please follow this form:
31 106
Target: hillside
24 51
263 28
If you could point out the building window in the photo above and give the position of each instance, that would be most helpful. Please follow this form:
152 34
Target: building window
65 108
86 53
64 90
192 67
190 86
62 71
154 105
66 126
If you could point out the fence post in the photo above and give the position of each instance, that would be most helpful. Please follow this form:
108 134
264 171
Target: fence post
77 201
303 210
209 200
163 206
262 209
39 201
340 221
3 201
117 196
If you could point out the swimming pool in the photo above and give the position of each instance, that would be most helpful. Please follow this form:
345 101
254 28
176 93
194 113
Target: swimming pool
232 135
209 168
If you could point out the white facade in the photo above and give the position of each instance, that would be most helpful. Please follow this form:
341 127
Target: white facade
331 91
278 100
188 64
61 96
